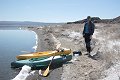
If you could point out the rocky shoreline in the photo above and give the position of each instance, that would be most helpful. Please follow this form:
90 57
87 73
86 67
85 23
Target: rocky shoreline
105 50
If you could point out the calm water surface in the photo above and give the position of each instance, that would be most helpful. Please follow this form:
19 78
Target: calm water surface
13 43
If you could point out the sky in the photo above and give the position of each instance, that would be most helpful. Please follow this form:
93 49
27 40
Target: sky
57 10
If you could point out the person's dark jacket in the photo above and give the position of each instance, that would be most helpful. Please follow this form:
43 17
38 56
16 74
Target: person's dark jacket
90 28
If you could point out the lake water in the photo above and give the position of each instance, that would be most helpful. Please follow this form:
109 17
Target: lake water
12 43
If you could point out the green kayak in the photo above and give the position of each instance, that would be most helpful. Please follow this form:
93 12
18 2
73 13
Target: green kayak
37 63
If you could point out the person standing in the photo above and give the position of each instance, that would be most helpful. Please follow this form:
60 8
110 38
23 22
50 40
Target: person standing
88 32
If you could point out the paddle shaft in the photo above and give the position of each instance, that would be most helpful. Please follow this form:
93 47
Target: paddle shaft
47 70
51 60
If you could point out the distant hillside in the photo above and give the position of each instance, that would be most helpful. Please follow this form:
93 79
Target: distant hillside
24 23
98 20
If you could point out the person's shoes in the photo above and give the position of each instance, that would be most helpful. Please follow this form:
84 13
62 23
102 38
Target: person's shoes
89 55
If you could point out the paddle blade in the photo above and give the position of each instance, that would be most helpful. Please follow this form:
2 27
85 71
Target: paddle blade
46 72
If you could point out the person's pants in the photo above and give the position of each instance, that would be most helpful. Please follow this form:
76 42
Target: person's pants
87 42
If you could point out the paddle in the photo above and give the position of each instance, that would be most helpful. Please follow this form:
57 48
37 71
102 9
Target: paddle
46 72
48 68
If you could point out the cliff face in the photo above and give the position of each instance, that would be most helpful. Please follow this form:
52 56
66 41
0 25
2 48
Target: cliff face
98 20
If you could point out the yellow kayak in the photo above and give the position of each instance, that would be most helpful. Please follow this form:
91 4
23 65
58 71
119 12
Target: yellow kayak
43 54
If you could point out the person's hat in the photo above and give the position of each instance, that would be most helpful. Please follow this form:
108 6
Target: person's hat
88 17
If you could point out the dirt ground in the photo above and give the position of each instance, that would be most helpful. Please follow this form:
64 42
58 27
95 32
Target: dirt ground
105 50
